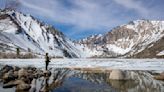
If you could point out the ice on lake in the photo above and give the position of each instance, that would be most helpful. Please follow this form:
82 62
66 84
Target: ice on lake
125 64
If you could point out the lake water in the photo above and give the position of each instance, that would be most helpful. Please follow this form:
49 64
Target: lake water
68 80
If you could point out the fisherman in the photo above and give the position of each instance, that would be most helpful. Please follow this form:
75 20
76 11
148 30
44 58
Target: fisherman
47 60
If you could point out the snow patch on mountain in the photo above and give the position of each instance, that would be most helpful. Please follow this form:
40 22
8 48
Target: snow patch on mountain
27 33
125 40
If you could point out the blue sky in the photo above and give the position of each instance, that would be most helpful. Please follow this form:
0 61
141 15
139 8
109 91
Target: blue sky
81 18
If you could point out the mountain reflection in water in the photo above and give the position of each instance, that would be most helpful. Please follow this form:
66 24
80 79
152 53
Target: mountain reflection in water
66 80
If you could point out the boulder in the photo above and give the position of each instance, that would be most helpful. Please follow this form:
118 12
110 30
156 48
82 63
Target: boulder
25 79
15 74
47 73
7 68
23 87
159 77
15 68
117 75
8 76
39 73
9 84
33 86
22 73
31 68
19 82
13 83
123 85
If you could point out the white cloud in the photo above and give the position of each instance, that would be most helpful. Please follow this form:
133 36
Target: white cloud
135 5
87 14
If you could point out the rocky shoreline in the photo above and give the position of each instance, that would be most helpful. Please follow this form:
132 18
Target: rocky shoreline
24 79
21 78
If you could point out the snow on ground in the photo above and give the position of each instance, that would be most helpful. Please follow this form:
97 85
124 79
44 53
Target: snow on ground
126 64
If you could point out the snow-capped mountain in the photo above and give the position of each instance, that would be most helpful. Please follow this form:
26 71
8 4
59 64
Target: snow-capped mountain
140 38
23 31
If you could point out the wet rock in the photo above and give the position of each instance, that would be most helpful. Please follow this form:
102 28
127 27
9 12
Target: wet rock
13 83
24 79
39 73
47 73
123 84
33 86
22 73
15 68
9 84
19 82
7 68
15 74
30 71
8 76
117 75
23 87
159 77
31 68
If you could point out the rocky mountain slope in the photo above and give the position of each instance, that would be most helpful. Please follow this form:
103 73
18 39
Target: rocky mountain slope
139 39
29 35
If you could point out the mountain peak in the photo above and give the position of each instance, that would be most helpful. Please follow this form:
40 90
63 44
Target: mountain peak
18 30
26 32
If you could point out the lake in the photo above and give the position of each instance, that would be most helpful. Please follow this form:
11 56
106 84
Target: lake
92 75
